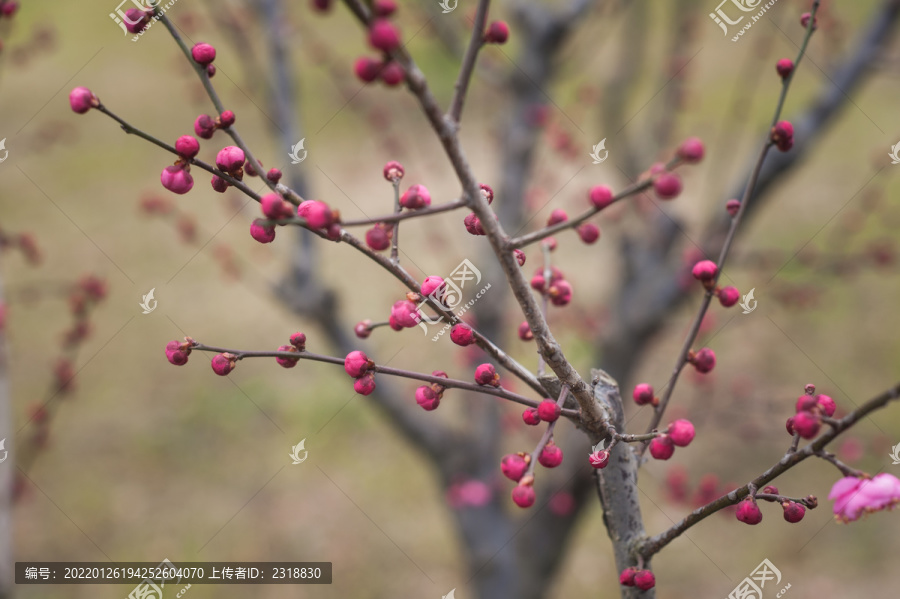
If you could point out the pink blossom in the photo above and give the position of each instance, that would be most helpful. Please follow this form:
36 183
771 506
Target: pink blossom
854 496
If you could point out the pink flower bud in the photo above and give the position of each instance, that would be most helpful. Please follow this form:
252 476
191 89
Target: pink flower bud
486 192
530 417
9 8
523 495
403 313
525 333
644 580
274 207
384 8
230 159
378 238
461 334
222 364
601 196
177 352
599 459
384 36
589 233
550 243
538 283
287 362
427 399
520 257
204 126
681 432
226 119
473 224
485 375
262 233
691 150
667 186
705 270
416 197
81 99
662 447
274 175
643 394
363 329
357 364
748 512
807 424
560 293
733 207
728 296
136 20
704 360
219 184
626 578
789 426
804 21
392 73
365 384
793 512
367 69
318 214
785 67
393 170
782 135
177 179
548 410
210 70
321 5
431 284
203 53
826 404
557 216
187 146
770 489
551 456
497 33
805 402
298 340
513 466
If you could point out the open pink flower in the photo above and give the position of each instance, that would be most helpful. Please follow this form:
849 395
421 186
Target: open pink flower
854 496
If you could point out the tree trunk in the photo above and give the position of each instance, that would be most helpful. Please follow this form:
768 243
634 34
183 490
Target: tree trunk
617 487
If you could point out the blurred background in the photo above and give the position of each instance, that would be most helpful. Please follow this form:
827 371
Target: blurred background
116 455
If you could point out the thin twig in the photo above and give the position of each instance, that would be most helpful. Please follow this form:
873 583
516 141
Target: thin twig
726 246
